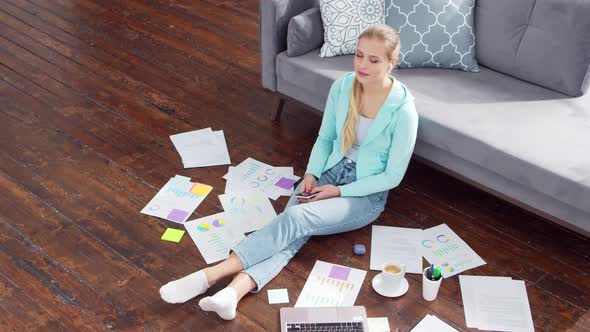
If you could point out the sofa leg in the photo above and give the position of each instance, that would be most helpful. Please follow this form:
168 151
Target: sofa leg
276 112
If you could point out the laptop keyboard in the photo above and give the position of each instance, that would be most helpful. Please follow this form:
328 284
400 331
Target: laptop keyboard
326 327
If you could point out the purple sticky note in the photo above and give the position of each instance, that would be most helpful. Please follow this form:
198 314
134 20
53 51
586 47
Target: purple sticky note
177 215
339 272
285 183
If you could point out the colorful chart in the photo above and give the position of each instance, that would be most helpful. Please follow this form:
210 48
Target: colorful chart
446 250
442 238
318 300
427 243
251 171
447 267
342 286
441 246
203 227
321 289
218 223
177 199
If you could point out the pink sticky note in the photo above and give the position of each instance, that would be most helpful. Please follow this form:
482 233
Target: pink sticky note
339 272
177 215
285 183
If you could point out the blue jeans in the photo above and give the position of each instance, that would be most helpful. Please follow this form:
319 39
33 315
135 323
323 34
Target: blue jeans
265 252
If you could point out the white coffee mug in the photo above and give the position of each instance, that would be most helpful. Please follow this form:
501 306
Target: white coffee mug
392 275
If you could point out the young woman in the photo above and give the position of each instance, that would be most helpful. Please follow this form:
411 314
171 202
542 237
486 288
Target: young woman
362 151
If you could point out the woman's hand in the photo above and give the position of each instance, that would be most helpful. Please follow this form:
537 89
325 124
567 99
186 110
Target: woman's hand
324 192
309 183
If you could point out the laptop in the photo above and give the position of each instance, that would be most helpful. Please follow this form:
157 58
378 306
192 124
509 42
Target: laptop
341 319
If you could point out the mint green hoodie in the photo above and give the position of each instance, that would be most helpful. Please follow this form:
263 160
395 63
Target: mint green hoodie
384 155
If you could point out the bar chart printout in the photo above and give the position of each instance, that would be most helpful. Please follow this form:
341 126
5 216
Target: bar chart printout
330 285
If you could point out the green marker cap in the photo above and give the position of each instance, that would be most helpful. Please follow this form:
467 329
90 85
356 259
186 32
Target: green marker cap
436 273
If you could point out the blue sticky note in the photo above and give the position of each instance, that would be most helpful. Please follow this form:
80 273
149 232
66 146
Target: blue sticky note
278 296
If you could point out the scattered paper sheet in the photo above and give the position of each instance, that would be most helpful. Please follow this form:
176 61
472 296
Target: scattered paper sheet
398 245
282 169
378 324
249 211
496 303
253 175
278 296
177 200
468 285
214 236
172 235
200 148
442 247
432 323
331 285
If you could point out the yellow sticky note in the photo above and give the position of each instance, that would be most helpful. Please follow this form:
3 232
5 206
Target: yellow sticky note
172 235
201 189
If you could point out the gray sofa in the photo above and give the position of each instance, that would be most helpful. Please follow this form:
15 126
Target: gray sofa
523 142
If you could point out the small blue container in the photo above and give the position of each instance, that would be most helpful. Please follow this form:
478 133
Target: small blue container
359 249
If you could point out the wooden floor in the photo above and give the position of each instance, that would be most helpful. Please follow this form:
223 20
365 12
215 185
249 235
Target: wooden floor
90 91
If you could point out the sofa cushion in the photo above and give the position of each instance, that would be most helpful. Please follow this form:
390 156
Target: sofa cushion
434 33
305 32
546 42
344 21
531 135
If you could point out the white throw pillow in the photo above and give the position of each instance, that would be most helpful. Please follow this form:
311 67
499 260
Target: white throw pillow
345 20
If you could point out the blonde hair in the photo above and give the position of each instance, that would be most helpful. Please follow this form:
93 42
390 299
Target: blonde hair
391 41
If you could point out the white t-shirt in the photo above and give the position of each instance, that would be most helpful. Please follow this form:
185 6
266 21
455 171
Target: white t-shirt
362 129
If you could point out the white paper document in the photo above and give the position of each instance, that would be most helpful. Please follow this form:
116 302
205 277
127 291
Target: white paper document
177 200
282 169
331 285
253 175
496 303
396 245
249 211
378 324
200 148
214 236
432 323
445 249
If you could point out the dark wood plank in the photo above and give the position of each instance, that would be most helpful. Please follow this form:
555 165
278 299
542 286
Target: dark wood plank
20 311
61 293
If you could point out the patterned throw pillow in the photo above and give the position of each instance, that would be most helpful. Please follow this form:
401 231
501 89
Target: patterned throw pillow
434 33
345 20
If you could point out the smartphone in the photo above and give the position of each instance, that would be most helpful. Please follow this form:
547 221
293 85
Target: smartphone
305 195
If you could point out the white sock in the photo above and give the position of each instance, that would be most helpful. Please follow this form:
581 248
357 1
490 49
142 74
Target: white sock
224 303
184 289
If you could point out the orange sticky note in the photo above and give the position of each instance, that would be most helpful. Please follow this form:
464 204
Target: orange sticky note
201 189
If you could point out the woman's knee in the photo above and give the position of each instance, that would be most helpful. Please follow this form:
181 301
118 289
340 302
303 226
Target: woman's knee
295 217
291 211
